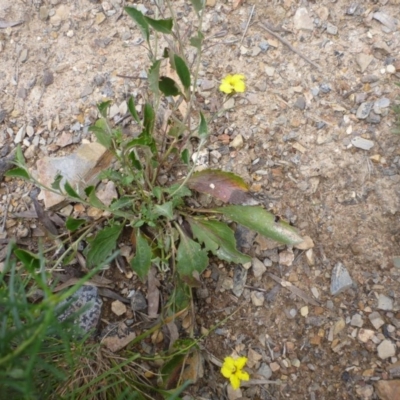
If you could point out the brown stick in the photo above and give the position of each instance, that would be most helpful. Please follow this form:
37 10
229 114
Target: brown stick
284 41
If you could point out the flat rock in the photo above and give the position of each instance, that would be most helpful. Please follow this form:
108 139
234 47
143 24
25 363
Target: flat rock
138 301
118 308
302 20
80 169
258 267
340 280
386 20
88 297
357 320
364 109
65 139
385 303
265 371
363 60
386 349
361 143
116 336
257 298
388 390
376 319
239 280
107 193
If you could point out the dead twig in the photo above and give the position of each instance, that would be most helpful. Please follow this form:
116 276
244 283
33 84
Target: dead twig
247 25
285 42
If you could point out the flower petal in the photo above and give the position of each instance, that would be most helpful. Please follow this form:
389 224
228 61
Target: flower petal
240 362
242 375
226 87
239 86
228 367
235 382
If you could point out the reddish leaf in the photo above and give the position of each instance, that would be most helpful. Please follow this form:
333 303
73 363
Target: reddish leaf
222 185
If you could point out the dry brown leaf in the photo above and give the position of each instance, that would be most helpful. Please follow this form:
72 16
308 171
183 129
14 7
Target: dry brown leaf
153 294
236 4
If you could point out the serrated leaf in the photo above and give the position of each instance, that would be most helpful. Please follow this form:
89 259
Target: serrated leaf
190 257
103 244
168 86
153 77
141 263
132 110
219 239
263 222
103 107
122 202
30 260
185 156
197 41
70 191
73 224
17 173
219 184
198 5
140 20
161 25
203 128
166 210
182 70
102 133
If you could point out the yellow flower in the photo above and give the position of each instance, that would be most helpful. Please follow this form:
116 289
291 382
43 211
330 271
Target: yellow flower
233 84
232 370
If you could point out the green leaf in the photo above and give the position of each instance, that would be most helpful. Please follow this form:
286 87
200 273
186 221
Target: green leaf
153 77
157 192
263 222
168 86
197 41
103 244
19 156
140 20
149 119
73 224
94 201
218 238
57 181
18 173
102 133
103 107
222 185
161 25
30 261
141 263
190 257
122 202
135 162
182 71
203 128
198 5
185 156
184 191
132 110
70 191
166 210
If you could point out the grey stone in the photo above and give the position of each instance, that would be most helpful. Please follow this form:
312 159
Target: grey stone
43 13
373 118
331 29
239 280
340 280
138 301
385 303
300 103
23 57
264 46
364 110
302 20
19 137
88 297
376 319
356 320
258 267
3 114
257 298
386 349
363 60
107 193
385 19
48 78
325 88
362 143
86 91
383 102
265 371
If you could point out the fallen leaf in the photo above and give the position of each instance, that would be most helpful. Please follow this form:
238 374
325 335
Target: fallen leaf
153 294
237 3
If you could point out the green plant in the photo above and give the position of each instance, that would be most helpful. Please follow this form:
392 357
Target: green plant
152 200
